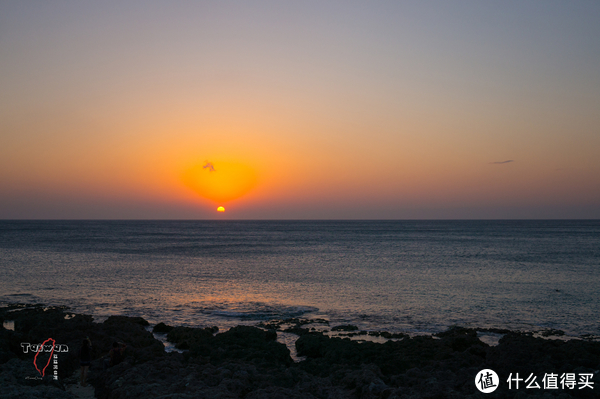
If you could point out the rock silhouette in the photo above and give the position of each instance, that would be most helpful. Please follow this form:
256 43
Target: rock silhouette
248 362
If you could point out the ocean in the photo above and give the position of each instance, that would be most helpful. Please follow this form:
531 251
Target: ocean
417 277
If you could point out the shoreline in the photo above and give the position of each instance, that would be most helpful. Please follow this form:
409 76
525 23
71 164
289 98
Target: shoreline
249 362
324 323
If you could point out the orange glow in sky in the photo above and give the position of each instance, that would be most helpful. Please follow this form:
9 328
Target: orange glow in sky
390 110
220 182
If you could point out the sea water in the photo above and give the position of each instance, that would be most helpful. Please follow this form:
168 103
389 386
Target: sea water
399 276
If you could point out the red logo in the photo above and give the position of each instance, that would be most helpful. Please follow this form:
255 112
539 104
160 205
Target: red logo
40 349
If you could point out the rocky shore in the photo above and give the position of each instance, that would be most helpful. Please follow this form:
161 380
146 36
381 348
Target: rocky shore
248 362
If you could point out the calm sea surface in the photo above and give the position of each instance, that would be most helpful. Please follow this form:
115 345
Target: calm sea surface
410 276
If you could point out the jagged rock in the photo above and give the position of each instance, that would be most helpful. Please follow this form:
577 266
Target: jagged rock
243 343
19 379
126 319
184 337
248 362
162 328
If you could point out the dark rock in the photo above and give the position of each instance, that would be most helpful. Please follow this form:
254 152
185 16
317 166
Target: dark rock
495 330
184 337
244 343
10 345
19 379
456 331
161 328
248 362
460 339
297 330
293 325
277 393
552 333
346 327
126 319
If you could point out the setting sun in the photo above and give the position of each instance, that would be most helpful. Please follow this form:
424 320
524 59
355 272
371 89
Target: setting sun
220 209
220 181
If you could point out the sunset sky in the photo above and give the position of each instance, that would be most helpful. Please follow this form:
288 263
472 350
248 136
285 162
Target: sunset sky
299 110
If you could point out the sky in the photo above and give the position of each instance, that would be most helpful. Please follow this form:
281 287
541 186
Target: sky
299 110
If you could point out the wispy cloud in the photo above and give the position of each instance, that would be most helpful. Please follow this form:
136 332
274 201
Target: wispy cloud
501 162
210 166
